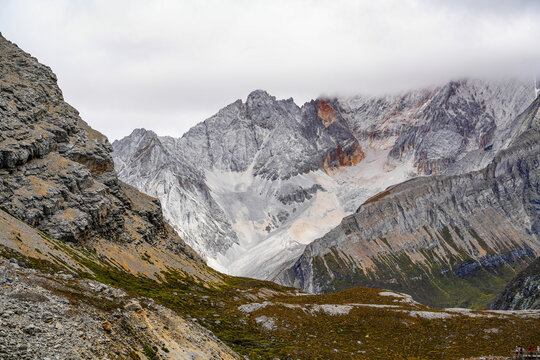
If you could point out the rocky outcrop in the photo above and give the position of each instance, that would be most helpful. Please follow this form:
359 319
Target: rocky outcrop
56 173
300 195
229 183
44 316
523 292
437 237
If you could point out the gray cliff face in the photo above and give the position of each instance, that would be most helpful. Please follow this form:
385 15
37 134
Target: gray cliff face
176 182
440 126
56 173
523 292
272 140
431 235
251 186
462 128
276 138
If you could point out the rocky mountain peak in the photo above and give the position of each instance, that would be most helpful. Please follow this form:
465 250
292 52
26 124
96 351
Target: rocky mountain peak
269 175
259 98
138 137
140 132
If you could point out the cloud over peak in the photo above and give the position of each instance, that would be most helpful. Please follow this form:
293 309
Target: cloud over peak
167 65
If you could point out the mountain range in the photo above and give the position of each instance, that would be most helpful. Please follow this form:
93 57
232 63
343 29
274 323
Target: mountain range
90 267
252 186
439 237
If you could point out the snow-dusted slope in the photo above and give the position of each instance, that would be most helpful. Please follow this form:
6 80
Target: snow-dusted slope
251 186
449 240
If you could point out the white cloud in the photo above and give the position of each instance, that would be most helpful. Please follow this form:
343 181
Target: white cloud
166 65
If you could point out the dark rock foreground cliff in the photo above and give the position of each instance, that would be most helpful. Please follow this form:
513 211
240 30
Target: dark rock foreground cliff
56 173
63 212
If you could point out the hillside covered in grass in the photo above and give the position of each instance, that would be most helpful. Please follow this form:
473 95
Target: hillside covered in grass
254 318
90 269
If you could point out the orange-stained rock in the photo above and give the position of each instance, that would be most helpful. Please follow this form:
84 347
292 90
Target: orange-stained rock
340 157
326 112
107 326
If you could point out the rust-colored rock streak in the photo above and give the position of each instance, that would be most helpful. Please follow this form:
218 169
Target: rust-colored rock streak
326 112
343 157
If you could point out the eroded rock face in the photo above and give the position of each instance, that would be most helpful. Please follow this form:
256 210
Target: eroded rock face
252 185
236 138
175 182
56 173
464 124
218 178
523 292
432 232
39 321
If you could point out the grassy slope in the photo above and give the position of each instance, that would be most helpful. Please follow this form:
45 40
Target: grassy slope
430 282
299 331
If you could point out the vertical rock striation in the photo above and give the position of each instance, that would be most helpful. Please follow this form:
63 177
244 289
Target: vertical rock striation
444 239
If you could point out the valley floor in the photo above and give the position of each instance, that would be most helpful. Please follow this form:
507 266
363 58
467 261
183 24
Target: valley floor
50 310
110 300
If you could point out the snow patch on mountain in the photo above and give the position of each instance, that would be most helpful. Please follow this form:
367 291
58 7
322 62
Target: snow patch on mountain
251 186
270 232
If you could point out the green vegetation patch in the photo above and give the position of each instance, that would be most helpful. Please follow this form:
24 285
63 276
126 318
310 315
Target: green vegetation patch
433 283
299 331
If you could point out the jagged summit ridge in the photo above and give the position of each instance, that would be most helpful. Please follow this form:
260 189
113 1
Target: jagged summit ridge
432 234
233 170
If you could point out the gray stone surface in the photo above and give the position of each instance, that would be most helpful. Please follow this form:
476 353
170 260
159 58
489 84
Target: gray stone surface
45 316
523 292
457 224
240 186
56 173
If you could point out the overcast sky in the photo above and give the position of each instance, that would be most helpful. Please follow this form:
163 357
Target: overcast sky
167 65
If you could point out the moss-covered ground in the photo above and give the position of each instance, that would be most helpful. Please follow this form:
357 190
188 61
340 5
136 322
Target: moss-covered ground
300 332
